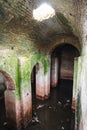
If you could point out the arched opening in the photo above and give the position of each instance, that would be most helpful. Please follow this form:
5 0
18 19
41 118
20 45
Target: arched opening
33 87
55 113
38 86
65 54
6 84
62 70
3 121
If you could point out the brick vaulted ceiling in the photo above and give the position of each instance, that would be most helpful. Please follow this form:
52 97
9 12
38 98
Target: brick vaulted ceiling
16 15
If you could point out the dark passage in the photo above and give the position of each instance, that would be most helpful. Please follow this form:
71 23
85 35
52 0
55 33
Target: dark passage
3 122
55 113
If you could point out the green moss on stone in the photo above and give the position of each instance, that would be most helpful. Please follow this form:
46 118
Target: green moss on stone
9 64
75 77
18 81
43 59
25 72
79 114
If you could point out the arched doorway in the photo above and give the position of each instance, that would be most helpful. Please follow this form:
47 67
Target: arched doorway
40 90
37 87
62 70
63 61
6 92
33 89
56 113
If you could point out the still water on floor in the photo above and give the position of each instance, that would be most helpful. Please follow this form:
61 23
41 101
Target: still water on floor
52 114
55 113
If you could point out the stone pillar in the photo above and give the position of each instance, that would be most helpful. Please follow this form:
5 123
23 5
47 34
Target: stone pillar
82 95
77 92
40 88
75 83
13 110
54 72
9 69
26 102
47 83
25 89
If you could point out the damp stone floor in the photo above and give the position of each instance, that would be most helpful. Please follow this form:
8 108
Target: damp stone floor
52 114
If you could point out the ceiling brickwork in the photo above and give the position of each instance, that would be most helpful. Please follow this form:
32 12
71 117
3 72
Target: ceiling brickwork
17 15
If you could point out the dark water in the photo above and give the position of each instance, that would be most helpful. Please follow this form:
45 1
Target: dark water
55 113
3 123
52 114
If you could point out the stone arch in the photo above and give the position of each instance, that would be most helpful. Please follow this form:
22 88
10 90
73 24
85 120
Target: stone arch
34 87
65 39
9 67
9 99
10 85
61 40
39 74
70 74
42 77
64 71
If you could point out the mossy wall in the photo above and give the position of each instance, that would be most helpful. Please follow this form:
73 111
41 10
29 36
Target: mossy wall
75 77
78 92
81 23
83 93
9 64
26 64
43 59
20 58
75 83
24 71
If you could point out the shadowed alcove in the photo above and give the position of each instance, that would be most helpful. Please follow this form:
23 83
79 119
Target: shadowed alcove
7 87
62 72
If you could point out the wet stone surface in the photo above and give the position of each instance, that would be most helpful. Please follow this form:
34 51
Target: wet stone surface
52 114
55 113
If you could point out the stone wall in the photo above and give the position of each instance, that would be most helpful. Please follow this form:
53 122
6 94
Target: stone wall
17 72
81 23
16 32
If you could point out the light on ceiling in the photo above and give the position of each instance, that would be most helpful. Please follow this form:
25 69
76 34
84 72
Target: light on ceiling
43 12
